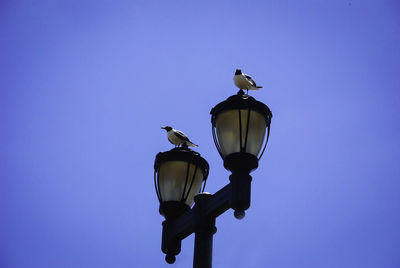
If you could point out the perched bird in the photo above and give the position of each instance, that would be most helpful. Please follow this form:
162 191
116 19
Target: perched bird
244 81
177 137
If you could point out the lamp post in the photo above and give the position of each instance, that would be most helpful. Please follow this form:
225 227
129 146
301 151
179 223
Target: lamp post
240 128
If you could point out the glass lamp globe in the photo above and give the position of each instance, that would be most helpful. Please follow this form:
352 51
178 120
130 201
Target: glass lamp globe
179 175
241 126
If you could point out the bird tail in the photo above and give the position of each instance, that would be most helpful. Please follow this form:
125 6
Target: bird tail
191 144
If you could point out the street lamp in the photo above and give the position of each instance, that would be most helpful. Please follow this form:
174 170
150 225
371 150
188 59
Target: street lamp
239 125
178 177
240 128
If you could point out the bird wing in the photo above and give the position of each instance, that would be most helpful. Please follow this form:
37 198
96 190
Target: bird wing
248 77
181 135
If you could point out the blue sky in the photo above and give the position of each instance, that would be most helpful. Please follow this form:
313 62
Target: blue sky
86 85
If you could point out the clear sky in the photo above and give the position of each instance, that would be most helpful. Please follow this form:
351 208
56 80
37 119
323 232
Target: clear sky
86 85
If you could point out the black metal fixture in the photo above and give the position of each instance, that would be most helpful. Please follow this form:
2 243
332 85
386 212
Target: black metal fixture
240 127
178 176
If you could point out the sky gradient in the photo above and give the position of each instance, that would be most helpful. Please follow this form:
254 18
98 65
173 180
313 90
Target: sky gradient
86 85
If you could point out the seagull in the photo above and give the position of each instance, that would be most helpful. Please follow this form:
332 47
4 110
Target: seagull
244 81
177 137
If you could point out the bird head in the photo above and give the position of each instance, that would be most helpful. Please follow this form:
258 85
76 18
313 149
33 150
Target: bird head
167 128
238 71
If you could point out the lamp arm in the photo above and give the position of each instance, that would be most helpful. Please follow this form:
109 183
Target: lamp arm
217 204
230 196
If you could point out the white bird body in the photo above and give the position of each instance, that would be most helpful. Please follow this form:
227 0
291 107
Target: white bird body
244 81
177 137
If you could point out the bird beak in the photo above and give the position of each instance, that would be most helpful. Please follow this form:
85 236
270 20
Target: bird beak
162 127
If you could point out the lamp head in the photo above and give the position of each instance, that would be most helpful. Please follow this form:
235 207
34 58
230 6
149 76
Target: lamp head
179 174
241 126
